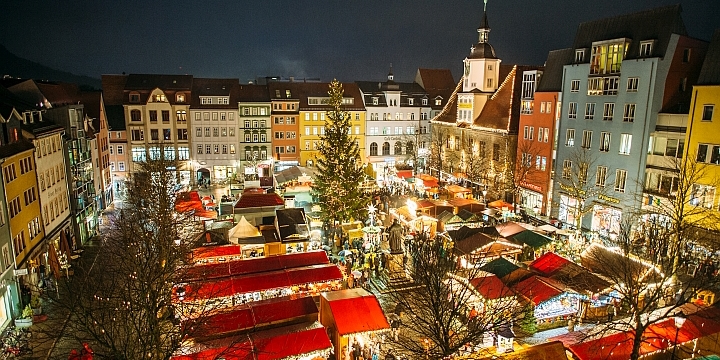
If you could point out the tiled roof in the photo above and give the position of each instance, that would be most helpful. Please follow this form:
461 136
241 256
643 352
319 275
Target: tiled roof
164 82
15 148
502 110
113 87
548 263
710 73
552 75
59 94
258 200
301 91
91 102
539 289
253 93
115 117
214 87
435 80
654 24
449 112
500 267
491 288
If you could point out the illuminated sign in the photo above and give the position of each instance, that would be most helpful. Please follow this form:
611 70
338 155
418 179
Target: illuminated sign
464 106
609 199
531 186
572 189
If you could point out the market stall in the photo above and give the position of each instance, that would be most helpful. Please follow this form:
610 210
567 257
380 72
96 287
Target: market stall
357 319
552 299
457 191
306 341
219 269
470 205
231 291
294 231
479 249
210 254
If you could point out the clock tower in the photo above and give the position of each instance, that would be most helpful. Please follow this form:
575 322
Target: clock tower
481 66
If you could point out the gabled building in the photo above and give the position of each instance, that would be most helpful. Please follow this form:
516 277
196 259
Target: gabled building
314 106
214 114
627 69
113 91
284 124
156 111
475 135
541 98
255 132
100 146
398 116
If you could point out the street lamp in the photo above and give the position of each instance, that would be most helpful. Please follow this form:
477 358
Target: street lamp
484 192
679 321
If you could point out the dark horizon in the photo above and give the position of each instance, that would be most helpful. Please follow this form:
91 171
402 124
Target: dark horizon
320 39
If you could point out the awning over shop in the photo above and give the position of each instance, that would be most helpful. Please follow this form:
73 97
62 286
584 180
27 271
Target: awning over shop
499 204
532 239
539 289
511 228
287 342
255 265
253 315
428 181
404 174
491 288
356 311
203 290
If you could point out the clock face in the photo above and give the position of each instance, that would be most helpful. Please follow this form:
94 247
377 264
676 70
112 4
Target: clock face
467 68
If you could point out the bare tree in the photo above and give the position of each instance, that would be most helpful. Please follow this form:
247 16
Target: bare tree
122 303
687 192
651 289
440 155
527 168
581 180
435 306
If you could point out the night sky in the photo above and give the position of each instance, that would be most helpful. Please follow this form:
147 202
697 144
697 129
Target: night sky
348 40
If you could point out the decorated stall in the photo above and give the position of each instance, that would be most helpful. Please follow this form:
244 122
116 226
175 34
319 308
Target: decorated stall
551 298
357 319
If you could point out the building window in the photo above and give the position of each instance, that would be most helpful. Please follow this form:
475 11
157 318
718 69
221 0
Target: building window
216 148
605 141
586 139
625 143
579 55
629 113
570 137
707 112
601 176
120 149
575 86
646 48
121 166
438 100
607 58
167 134
135 115
496 152
153 115
702 195
198 132
200 149
632 84
207 132
608 111
589 111
137 135
216 131
279 135
182 134
686 55
398 148
215 116
154 134
572 110
208 149
134 97
567 169
526 107
386 148
183 153
620 179
181 116
166 116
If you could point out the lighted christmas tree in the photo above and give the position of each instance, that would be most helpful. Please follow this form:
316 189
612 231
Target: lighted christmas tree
340 170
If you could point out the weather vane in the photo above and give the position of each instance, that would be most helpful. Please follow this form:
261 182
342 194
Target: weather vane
485 6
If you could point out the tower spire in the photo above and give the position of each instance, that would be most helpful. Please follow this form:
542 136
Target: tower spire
484 29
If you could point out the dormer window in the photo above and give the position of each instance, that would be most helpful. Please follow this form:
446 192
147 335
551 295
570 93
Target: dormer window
134 97
375 101
438 101
159 98
223 100
579 55
287 94
646 48
424 101
180 97
410 101
205 100
277 93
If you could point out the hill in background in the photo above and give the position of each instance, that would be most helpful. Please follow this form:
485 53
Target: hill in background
17 67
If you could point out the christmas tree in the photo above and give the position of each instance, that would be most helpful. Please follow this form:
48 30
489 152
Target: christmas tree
339 168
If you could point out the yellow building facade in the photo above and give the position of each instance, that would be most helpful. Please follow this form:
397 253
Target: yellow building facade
312 127
23 202
703 143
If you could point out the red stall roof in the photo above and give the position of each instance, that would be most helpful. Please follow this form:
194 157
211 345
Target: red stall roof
355 311
255 265
548 263
216 251
261 281
490 287
275 344
538 289
255 314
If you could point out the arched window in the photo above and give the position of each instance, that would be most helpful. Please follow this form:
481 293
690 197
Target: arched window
398 148
135 115
386 148
373 149
410 149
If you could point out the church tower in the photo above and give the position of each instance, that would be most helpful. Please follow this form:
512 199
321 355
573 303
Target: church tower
482 66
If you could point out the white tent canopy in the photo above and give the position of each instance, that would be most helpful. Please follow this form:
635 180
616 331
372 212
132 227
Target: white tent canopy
244 232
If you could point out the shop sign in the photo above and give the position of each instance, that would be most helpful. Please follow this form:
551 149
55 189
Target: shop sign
609 199
572 190
464 106
388 138
531 186
20 272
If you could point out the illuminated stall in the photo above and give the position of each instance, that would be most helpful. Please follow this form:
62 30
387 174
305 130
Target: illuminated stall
356 317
